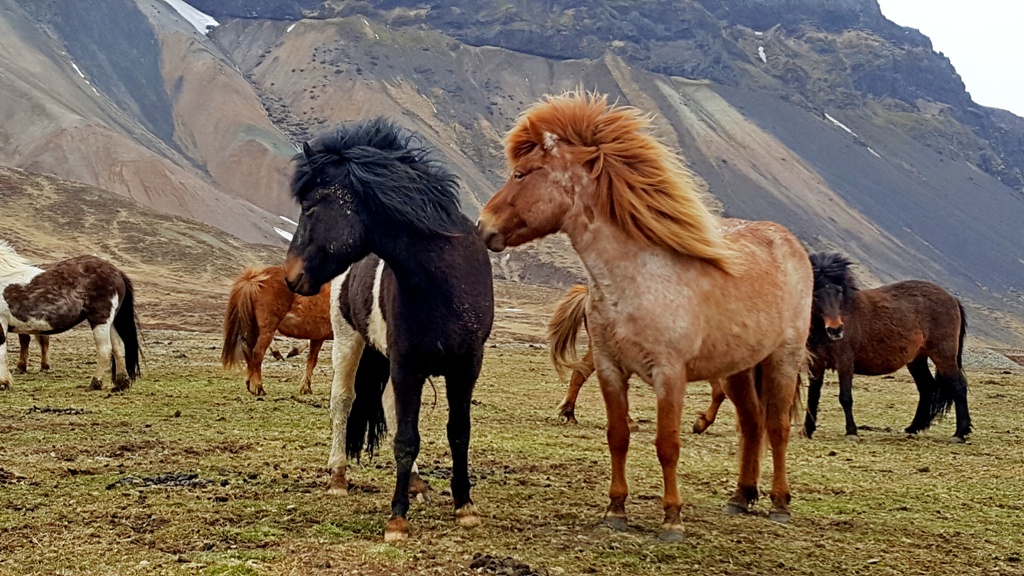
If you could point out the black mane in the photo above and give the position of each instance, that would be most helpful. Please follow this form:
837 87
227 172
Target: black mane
389 169
833 268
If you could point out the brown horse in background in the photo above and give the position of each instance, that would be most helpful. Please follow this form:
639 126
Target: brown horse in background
676 293
259 306
878 331
571 311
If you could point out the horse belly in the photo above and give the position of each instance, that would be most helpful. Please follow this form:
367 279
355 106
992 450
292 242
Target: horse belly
30 326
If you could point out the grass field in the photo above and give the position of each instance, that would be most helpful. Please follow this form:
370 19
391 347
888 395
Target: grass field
72 463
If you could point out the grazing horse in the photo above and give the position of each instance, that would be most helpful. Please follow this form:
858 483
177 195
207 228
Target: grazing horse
570 314
51 301
259 306
25 340
424 308
878 331
676 293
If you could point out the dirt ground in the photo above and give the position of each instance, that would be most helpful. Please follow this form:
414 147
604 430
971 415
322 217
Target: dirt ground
188 474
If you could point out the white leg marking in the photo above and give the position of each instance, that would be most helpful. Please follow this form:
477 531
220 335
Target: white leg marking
345 360
378 329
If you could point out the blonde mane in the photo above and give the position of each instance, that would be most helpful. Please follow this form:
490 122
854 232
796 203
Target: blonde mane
642 186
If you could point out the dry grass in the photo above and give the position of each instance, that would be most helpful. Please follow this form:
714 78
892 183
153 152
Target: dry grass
884 505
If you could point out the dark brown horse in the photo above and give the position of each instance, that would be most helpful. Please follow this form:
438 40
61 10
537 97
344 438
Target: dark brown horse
259 306
51 301
878 331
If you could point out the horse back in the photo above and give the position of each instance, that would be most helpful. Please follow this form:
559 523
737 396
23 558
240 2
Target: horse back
893 325
65 294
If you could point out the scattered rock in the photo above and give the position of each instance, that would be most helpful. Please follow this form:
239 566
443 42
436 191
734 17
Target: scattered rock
487 564
51 410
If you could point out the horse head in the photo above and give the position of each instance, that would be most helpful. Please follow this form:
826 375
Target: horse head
362 187
834 288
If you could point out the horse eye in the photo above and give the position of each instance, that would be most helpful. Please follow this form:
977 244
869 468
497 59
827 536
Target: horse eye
518 175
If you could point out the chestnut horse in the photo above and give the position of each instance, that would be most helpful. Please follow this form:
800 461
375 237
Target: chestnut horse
878 331
51 301
676 293
259 306
570 314
422 305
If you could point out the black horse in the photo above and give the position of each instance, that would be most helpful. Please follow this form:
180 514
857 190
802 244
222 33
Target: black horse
373 188
878 331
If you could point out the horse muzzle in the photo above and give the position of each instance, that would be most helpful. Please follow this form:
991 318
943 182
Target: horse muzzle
295 278
834 332
494 240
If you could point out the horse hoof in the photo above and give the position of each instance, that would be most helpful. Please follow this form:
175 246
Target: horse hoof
852 438
396 529
957 440
734 509
671 534
780 516
96 384
338 485
306 390
21 370
5 385
44 368
700 425
617 523
467 516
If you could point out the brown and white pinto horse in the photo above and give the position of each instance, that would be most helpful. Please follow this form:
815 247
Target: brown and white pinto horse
563 328
51 301
676 293
259 306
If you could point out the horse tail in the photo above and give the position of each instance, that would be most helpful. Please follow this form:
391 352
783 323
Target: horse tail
367 421
945 393
126 323
241 328
564 327
963 335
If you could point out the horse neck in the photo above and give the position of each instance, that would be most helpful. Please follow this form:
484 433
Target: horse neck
615 261
414 257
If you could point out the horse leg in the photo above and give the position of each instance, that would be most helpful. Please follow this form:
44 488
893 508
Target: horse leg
254 362
418 487
614 389
121 380
780 378
101 334
44 349
952 389
815 381
311 359
408 385
669 390
567 409
926 388
707 417
846 397
741 391
346 361
459 384
5 376
24 340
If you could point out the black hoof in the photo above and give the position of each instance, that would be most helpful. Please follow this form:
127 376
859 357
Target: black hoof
671 536
780 516
734 509
617 523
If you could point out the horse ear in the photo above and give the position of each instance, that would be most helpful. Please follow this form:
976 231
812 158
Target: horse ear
307 151
550 139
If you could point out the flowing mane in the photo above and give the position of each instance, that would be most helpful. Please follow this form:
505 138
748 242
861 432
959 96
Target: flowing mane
10 261
833 268
643 187
387 168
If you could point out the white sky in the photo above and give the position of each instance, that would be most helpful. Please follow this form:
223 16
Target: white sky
982 38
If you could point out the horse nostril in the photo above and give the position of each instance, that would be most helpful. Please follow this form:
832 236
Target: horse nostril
834 332
492 240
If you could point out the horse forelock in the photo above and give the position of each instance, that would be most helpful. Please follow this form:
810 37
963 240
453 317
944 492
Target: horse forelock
389 168
642 185
833 268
